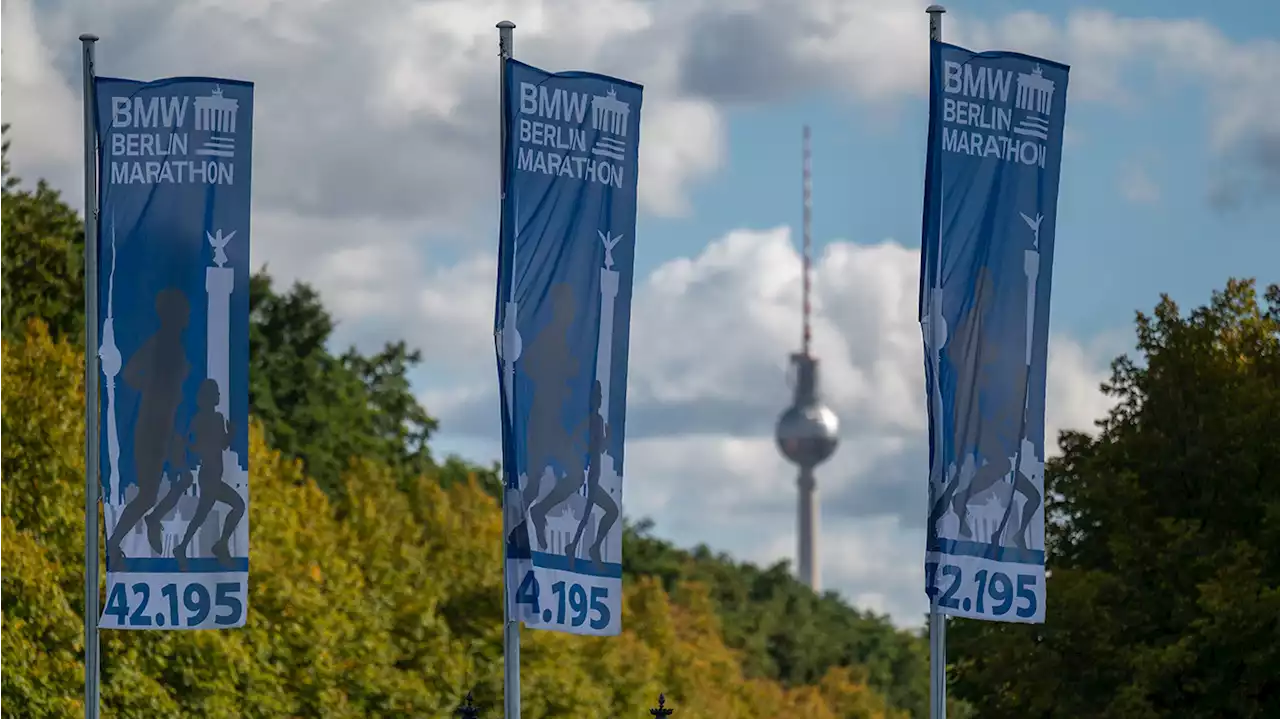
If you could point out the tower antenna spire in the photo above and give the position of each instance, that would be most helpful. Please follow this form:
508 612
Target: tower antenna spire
806 231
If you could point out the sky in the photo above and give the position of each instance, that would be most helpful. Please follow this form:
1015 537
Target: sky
375 180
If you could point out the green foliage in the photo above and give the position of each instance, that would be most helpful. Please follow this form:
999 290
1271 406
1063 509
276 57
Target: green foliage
43 644
311 406
355 634
1164 537
783 629
43 257
380 601
327 410
401 426
319 407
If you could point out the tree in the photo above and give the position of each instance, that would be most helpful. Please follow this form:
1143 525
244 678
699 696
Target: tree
42 645
359 432
43 257
783 630
319 407
380 601
311 406
400 425
1164 537
324 409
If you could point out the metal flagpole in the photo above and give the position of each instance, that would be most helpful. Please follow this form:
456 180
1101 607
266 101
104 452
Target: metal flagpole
511 622
92 453
937 620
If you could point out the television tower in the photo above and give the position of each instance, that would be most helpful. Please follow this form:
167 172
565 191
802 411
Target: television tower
807 430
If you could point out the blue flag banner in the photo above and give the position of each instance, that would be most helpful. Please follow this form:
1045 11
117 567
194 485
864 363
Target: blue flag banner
173 315
566 261
991 196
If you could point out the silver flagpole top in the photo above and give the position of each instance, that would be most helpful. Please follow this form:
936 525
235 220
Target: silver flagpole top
505 37
935 21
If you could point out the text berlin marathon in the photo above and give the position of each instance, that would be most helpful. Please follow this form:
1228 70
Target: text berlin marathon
1000 138
163 136
569 108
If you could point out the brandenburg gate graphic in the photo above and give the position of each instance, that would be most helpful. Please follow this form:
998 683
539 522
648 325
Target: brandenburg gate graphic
216 113
1035 92
609 114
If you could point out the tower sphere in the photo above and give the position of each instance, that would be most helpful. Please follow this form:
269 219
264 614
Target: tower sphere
808 434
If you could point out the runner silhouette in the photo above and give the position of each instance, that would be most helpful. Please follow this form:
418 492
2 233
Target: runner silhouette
575 475
551 366
597 443
989 411
211 434
566 485
156 371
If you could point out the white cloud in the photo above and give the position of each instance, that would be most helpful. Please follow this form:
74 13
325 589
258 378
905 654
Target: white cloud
376 155
710 337
456 303
42 107
1137 185
376 123
754 51
389 110
384 110
1115 60
376 129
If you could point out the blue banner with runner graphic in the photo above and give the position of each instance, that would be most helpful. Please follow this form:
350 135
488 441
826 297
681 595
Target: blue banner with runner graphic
173 316
566 260
991 197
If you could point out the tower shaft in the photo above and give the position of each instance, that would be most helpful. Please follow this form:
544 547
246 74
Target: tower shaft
807 525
